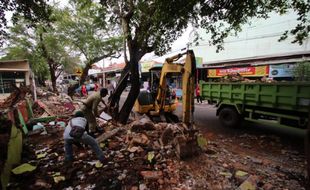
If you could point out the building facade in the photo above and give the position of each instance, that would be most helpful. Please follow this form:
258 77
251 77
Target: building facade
15 72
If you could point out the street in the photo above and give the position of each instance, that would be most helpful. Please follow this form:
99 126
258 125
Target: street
207 121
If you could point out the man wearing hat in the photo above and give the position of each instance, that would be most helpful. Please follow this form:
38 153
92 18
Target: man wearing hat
90 109
75 132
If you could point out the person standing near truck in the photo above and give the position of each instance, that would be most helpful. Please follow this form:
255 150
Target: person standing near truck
198 95
90 109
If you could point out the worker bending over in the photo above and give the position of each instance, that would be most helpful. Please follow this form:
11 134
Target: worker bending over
76 133
90 109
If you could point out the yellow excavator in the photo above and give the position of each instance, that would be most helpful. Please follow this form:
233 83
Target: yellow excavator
158 102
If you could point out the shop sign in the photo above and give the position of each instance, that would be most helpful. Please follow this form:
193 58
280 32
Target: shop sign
284 70
147 65
78 71
198 62
244 71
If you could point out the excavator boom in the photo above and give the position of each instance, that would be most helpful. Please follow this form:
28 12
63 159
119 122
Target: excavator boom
188 73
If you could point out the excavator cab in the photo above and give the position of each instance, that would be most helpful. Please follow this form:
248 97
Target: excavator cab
145 103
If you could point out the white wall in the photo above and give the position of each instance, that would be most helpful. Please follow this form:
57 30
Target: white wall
257 39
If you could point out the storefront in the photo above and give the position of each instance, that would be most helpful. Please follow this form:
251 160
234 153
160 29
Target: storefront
277 67
13 72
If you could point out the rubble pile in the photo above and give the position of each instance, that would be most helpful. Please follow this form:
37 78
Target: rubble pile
236 77
50 104
261 163
5 132
136 158
17 95
144 155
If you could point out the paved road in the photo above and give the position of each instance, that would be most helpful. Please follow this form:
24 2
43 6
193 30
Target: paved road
207 122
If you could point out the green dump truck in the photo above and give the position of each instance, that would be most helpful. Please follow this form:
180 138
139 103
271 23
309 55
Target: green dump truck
280 104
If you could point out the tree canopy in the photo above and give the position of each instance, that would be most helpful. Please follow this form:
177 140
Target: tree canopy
42 46
31 10
153 25
93 31
84 26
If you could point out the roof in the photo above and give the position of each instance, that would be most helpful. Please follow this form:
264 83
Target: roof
261 60
14 61
113 67
15 65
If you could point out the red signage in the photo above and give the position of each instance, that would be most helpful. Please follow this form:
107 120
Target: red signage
244 71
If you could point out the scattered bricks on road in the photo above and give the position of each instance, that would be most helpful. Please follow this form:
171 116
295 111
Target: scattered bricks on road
152 174
139 139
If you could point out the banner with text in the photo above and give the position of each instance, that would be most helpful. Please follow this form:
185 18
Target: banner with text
284 70
244 71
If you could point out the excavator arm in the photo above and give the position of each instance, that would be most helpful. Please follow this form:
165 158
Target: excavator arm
188 72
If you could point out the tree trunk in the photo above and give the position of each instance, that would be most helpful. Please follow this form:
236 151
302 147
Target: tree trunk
85 73
115 97
53 76
134 91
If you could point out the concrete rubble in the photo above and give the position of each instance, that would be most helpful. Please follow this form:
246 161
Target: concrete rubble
146 155
138 160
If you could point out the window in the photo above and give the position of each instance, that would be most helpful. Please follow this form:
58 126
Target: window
8 78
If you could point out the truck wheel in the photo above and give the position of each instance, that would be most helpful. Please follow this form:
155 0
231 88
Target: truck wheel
229 117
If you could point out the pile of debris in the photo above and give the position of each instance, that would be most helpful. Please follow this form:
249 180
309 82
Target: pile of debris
236 77
144 155
245 162
140 155
233 77
17 95
51 104
5 133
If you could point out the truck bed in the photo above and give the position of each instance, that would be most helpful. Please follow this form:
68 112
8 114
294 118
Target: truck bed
292 96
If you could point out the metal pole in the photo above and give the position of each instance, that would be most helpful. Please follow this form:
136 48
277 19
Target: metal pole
34 86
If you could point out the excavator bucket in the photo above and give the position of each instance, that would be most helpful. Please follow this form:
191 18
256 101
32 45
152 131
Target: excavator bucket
183 138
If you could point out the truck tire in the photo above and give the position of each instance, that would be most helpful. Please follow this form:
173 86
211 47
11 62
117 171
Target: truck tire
229 117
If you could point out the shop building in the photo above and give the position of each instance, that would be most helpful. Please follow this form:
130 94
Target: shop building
15 72
277 67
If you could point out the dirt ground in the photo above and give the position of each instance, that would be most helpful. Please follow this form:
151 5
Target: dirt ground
227 162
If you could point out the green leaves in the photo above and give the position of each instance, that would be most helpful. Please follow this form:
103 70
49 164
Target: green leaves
302 71
154 25
87 31
31 10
